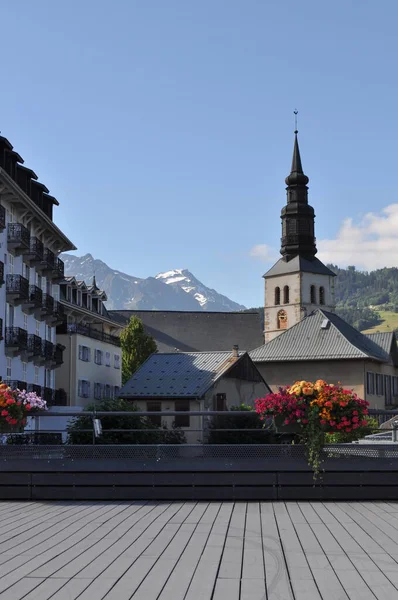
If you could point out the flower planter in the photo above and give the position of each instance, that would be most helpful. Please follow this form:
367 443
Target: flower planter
282 427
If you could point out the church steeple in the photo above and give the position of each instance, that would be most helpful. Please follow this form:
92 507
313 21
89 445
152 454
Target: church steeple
298 237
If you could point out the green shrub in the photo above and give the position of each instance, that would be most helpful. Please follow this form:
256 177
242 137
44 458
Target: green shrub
229 421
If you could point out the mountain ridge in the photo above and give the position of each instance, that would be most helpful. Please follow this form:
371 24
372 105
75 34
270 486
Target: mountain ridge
177 289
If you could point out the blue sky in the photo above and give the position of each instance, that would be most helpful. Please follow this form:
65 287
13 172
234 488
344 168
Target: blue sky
165 127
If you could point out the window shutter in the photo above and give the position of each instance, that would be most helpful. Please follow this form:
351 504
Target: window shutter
80 352
88 354
80 393
88 389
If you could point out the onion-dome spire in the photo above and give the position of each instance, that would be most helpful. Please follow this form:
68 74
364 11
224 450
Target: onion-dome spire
298 217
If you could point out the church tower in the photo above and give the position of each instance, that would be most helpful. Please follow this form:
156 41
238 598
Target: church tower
298 283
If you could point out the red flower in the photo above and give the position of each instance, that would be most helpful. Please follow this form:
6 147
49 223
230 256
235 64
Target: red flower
27 406
10 401
355 412
4 413
13 421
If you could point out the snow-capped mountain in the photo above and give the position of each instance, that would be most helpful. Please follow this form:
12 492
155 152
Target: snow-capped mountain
173 290
207 298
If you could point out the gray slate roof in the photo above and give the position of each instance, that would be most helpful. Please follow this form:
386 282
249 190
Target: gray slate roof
197 331
383 339
309 341
296 264
179 374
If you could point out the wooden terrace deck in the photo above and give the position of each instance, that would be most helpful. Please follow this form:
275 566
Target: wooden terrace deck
198 550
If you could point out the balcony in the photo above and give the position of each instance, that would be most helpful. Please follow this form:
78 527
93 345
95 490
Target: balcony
34 255
47 351
58 273
48 395
47 308
18 238
2 217
60 398
95 334
35 302
33 387
34 348
16 341
47 265
17 289
58 315
58 357
15 384
1 273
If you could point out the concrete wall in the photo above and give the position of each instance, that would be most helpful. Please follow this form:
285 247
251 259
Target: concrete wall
73 368
350 373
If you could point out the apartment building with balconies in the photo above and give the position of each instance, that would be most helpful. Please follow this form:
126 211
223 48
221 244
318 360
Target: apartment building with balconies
92 361
30 274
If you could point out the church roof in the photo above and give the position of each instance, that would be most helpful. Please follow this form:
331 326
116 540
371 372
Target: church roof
320 336
296 264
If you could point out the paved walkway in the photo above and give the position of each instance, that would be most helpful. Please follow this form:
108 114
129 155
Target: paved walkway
198 551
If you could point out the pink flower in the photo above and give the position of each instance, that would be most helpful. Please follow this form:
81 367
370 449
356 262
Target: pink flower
4 413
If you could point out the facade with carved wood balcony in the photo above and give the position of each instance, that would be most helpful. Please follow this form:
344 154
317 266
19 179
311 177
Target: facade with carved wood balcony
31 272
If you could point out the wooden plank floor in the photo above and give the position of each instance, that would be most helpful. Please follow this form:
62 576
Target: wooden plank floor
199 551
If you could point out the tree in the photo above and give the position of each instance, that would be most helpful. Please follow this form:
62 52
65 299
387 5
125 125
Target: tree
137 345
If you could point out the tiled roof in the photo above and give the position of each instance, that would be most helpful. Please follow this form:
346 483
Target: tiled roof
320 336
296 264
179 374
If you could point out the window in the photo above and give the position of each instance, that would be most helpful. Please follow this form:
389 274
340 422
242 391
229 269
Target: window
116 391
379 385
9 315
98 357
48 333
48 378
37 331
282 320
182 420
387 388
37 375
25 322
84 353
108 392
83 388
24 371
10 264
313 295
108 359
117 361
220 402
395 386
321 295
277 295
286 294
98 391
154 405
8 373
27 272
370 383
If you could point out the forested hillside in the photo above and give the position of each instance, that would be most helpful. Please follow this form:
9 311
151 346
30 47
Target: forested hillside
362 295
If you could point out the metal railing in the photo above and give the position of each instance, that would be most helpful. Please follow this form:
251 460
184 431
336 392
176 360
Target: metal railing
93 333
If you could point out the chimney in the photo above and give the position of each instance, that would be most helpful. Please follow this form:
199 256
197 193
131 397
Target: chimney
235 351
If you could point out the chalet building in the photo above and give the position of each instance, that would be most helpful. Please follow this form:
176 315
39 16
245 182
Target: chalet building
30 273
197 331
92 367
299 282
189 381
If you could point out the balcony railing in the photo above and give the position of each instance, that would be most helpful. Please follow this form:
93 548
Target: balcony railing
15 384
94 334
48 394
2 217
58 314
48 263
33 387
16 339
48 305
59 270
34 254
1 272
17 289
18 238
47 350
34 345
58 355
60 398
35 296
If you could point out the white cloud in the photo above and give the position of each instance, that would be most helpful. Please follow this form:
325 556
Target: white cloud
263 252
371 243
